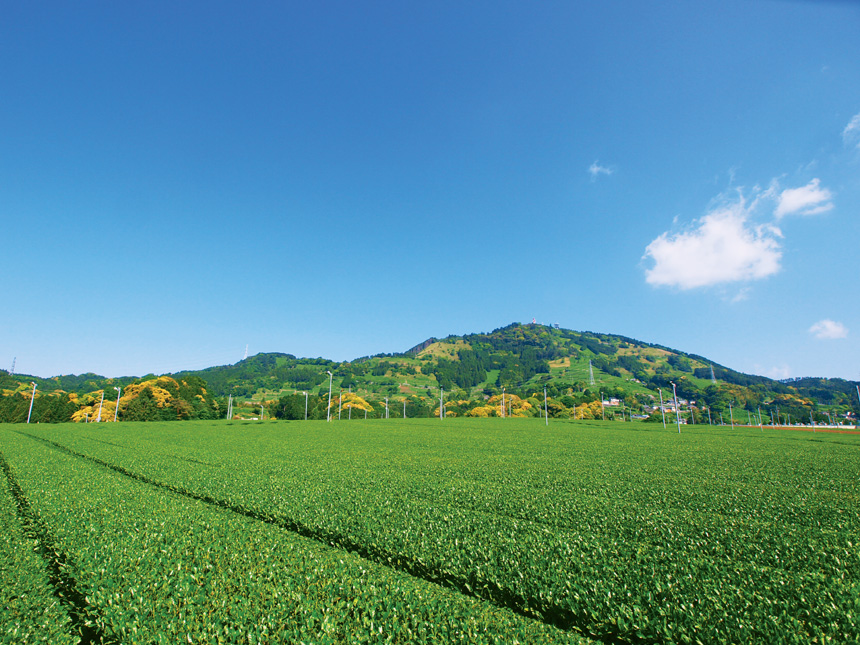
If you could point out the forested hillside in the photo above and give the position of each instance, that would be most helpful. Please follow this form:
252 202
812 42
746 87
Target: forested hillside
507 371
150 399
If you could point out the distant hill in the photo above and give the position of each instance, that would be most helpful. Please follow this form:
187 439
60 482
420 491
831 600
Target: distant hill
576 368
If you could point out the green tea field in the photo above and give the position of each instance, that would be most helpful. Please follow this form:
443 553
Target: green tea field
427 531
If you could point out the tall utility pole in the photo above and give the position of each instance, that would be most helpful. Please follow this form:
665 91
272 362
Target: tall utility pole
404 408
116 409
662 409
677 410
503 402
306 406
328 412
230 406
32 398
545 409
441 392
100 406
339 403
590 374
731 416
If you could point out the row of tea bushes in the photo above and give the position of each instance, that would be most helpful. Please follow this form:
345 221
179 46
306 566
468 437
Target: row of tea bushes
30 610
729 555
160 567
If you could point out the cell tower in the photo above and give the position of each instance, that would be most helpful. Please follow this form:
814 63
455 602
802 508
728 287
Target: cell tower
590 374
713 378
246 353
12 371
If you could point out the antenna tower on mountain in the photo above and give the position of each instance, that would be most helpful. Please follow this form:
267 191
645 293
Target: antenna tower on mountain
246 353
12 371
713 378
590 374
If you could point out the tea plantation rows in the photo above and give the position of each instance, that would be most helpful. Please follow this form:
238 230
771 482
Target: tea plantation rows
496 530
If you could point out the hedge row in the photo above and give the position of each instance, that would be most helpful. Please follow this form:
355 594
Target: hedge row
156 567
714 538
30 611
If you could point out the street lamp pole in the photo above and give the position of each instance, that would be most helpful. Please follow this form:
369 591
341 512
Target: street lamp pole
328 411
731 415
32 398
116 409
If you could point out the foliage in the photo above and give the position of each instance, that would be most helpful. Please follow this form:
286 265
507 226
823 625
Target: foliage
590 526
574 367
153 566
29 612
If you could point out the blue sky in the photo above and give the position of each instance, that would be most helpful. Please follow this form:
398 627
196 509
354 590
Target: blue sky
337 179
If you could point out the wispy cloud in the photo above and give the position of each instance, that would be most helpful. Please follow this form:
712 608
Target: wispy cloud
851 133
806 200
724 246
779 372
828 330
740 296
595 170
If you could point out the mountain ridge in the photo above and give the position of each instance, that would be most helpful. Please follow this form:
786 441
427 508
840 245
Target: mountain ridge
520 359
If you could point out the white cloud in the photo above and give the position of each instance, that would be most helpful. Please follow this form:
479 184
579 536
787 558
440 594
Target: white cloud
722 247
851 133
828 330
595 170
806 200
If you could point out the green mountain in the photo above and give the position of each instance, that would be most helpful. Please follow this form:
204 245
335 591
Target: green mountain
576 369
